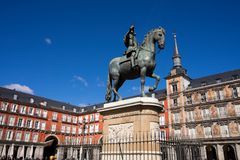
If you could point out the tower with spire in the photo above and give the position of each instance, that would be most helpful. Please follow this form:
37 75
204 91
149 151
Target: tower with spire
176 83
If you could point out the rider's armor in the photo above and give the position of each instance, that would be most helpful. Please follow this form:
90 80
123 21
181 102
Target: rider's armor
131 44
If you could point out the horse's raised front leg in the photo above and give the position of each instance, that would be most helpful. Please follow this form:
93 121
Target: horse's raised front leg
142 76
157 78
115 90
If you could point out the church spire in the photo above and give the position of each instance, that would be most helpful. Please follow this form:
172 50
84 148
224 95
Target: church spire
176 56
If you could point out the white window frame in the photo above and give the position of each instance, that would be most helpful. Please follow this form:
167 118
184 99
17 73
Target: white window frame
27 136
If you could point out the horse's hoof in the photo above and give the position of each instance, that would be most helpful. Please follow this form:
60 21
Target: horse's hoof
151 89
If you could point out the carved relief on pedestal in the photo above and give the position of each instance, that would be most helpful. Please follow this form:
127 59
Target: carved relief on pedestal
196 98
213 111
198 114
227 92
231 109
233 129
120 131
216 131
211 95
199 131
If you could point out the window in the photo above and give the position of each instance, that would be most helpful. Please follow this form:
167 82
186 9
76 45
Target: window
20 122
224 131
64 118
63 129
203 97
162 120
38 112
9 135
14 107
189 99
43 126
190 116
69 119
30 111
15 97
86 129
29 123
80 119
23 109
97 117
208 132
90 140
176 118
73 130
27 137
222 112
235 92
1 133
175 102
4 106
18 136
45 114
54 116
68 129
177 133
96 128
35 137
237 110
53 129
192 133
91 129
206 114
11 121
31 100
86 119
92 118
37 125
80 130
219 94
74 120
174 88
2 119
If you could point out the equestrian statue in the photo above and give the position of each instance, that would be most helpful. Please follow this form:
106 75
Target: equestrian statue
137 61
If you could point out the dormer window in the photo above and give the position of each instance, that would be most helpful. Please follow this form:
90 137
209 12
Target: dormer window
15 97
219 80
82 110
203 83
31 100
235 76
63 107
74 110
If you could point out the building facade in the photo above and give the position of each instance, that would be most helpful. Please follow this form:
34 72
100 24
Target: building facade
206 109
36 127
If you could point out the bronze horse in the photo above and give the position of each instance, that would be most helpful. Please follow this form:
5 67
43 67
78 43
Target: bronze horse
120 68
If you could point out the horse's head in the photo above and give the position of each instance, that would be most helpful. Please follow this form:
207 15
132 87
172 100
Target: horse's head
159 37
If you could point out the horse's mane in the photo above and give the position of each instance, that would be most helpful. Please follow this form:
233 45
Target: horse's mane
148 34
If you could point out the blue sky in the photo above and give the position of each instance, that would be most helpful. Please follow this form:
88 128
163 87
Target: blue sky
46 45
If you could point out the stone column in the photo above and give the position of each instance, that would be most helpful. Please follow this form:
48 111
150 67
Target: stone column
238 151
220 153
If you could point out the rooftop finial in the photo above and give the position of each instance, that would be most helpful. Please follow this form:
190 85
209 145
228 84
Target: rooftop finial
176 56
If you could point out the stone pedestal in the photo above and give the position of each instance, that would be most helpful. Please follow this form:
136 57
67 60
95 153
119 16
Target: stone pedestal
128 128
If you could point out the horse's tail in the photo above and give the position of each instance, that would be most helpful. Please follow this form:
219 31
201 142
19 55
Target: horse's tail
108 96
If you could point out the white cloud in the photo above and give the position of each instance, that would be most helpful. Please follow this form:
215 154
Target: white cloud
48 41
100 83
19 87
82 80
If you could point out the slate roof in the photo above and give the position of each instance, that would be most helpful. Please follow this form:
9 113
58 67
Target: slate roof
212 79
25 98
